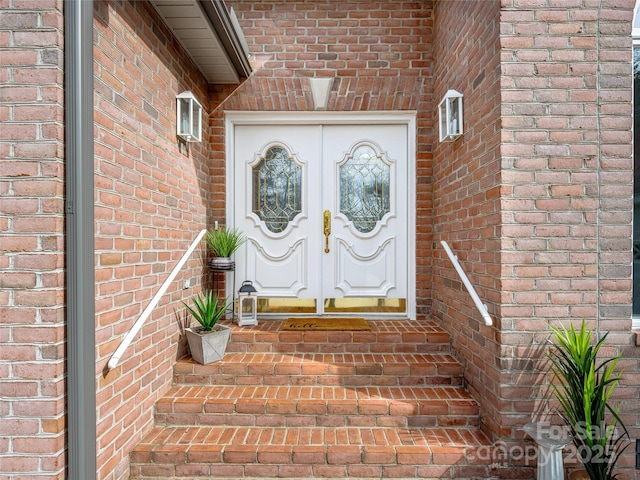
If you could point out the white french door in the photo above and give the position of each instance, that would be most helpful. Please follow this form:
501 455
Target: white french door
325 208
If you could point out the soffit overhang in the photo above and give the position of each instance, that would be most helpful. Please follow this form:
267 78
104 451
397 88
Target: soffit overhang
211 35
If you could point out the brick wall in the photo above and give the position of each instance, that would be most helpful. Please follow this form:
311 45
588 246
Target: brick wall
32 403
379 54
466 178
152 195
567 189
558 238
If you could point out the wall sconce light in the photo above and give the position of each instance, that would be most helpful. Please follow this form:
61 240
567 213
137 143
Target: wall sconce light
450 113
189 117
247 304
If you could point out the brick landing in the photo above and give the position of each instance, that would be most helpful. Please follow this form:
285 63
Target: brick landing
381 404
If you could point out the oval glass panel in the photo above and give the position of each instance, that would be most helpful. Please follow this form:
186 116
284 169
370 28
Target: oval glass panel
364 188
277 189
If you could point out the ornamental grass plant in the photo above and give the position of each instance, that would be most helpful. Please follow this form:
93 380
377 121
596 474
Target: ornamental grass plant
208 309
584 388
223 242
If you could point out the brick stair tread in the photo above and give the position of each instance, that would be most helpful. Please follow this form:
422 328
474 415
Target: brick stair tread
383 325
175 444
444 407
385 335
186 394
352 357
339 453
428 363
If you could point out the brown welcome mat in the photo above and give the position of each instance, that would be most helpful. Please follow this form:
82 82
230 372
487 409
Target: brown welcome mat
318 323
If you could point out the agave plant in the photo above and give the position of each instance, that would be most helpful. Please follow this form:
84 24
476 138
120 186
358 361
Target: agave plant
223 242
584 388
208 309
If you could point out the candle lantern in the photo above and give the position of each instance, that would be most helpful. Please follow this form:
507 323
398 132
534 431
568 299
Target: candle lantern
247 304
450 113
189 117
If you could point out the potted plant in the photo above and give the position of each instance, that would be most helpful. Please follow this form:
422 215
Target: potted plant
208 342
223 242
584 387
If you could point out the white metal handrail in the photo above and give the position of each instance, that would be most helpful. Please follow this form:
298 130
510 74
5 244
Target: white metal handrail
482 308
126 341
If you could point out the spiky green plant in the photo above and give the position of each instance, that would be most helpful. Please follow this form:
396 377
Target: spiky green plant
208 309
223 242
584 390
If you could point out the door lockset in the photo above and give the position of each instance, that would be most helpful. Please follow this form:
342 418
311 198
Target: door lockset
327 229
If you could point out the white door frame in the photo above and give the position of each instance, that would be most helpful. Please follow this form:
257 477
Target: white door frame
408 118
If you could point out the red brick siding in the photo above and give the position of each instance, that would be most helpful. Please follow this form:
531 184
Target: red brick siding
569 186
467 189
567 189
32 332
217 160
546 233
152 195
379 54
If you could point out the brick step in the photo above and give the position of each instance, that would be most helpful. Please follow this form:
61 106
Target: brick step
285 406
387 403
311 452
346 369
386 336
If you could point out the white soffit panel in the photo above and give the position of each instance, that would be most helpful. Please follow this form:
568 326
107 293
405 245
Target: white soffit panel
191 27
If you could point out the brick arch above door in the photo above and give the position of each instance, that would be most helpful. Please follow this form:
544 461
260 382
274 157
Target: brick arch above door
355 94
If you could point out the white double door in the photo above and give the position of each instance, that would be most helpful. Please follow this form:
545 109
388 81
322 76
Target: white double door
325 211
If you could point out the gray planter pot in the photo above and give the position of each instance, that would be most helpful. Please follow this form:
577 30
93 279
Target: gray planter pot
208 347
224 263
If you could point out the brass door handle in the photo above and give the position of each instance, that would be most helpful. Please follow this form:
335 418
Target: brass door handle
327 229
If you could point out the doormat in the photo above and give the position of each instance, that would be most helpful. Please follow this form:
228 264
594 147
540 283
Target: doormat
318 323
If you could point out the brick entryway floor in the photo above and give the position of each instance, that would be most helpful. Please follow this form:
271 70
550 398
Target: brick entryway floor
388 403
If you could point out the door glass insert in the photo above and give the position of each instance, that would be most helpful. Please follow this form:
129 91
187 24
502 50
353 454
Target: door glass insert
277 189
364 188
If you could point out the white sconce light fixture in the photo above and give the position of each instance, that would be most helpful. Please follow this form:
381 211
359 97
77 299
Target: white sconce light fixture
247 304
189 117
450 116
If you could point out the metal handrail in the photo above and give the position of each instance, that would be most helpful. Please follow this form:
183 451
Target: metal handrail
482 308
126 341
